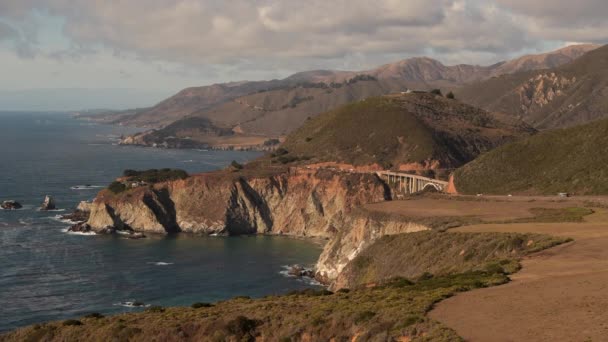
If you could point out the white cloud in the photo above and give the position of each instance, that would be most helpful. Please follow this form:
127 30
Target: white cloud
245 39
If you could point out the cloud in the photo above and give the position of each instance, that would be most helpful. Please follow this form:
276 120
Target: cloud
296 35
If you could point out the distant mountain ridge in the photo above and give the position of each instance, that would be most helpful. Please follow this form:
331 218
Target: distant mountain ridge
567 95
275 108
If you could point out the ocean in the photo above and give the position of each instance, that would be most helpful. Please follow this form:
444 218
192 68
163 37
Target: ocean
49 274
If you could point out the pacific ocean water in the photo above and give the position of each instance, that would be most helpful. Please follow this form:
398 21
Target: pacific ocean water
48 274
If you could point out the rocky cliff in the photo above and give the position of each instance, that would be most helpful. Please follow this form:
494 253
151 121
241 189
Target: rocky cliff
295 201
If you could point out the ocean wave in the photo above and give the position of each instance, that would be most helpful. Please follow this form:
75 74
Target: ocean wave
132 304
62 220
85 187
160 263
55 210
188 161
307 280
67 231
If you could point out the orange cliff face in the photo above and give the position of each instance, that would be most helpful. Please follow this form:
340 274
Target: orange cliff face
451 189
297 202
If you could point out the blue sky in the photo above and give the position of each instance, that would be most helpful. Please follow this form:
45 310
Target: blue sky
157 47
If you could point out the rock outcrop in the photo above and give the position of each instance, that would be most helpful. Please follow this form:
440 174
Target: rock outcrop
298 202
10 205
48 203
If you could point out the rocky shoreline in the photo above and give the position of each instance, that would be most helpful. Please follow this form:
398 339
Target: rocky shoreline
293 202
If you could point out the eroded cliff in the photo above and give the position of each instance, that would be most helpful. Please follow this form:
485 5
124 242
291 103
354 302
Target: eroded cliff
295 201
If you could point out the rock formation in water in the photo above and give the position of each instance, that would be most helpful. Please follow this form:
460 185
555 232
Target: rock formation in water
48 204
10 205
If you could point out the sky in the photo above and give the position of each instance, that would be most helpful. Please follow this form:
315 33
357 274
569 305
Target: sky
136 52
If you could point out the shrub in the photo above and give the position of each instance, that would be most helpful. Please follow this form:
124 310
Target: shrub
72 322
436 92
272 142
199 305
364 316
96 315
241 326
235 165
154 175
308 139
117 187
279 152
155 308
241 297
450 96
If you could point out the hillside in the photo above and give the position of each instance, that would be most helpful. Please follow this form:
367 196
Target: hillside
571 94
395 310
407 132
275 108
563 160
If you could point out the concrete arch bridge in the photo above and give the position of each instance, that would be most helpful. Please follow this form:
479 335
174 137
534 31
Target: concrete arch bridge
408 184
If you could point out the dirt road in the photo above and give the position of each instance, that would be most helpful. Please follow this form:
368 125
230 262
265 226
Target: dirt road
560 294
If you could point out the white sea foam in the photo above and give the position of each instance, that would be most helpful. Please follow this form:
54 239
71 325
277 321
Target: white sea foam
67 231
304 279
85 187
160 263
131 304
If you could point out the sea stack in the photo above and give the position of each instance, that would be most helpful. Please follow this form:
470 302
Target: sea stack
48 204
10 205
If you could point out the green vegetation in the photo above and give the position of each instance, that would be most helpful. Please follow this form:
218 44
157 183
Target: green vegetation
436 92
117 187
394 130
71 322
566 160
450 95
155 176
395 307
236 166
434 254
199 305
95 315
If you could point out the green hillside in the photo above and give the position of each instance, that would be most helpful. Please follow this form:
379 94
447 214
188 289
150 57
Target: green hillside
400 129
565 160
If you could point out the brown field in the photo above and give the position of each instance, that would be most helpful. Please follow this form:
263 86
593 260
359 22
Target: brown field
486 208
561 294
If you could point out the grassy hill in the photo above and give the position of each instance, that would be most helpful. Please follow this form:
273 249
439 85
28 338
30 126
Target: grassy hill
395 309
397 130
571 94
563 160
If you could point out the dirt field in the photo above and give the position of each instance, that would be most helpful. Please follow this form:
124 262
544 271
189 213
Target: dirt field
485 208
560 294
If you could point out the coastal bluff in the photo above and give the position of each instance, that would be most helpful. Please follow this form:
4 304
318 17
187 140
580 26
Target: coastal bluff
287 201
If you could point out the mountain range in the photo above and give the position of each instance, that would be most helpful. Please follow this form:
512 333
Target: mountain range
571 94
245 114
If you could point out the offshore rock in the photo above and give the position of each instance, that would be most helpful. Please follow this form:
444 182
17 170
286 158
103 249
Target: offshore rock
48 204
10 205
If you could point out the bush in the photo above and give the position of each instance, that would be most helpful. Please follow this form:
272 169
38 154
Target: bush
154 175
199 305
272 142
155 308
364 316
235 165
450 96
117 187
279 152
72 322
96 315
436 92
241 326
